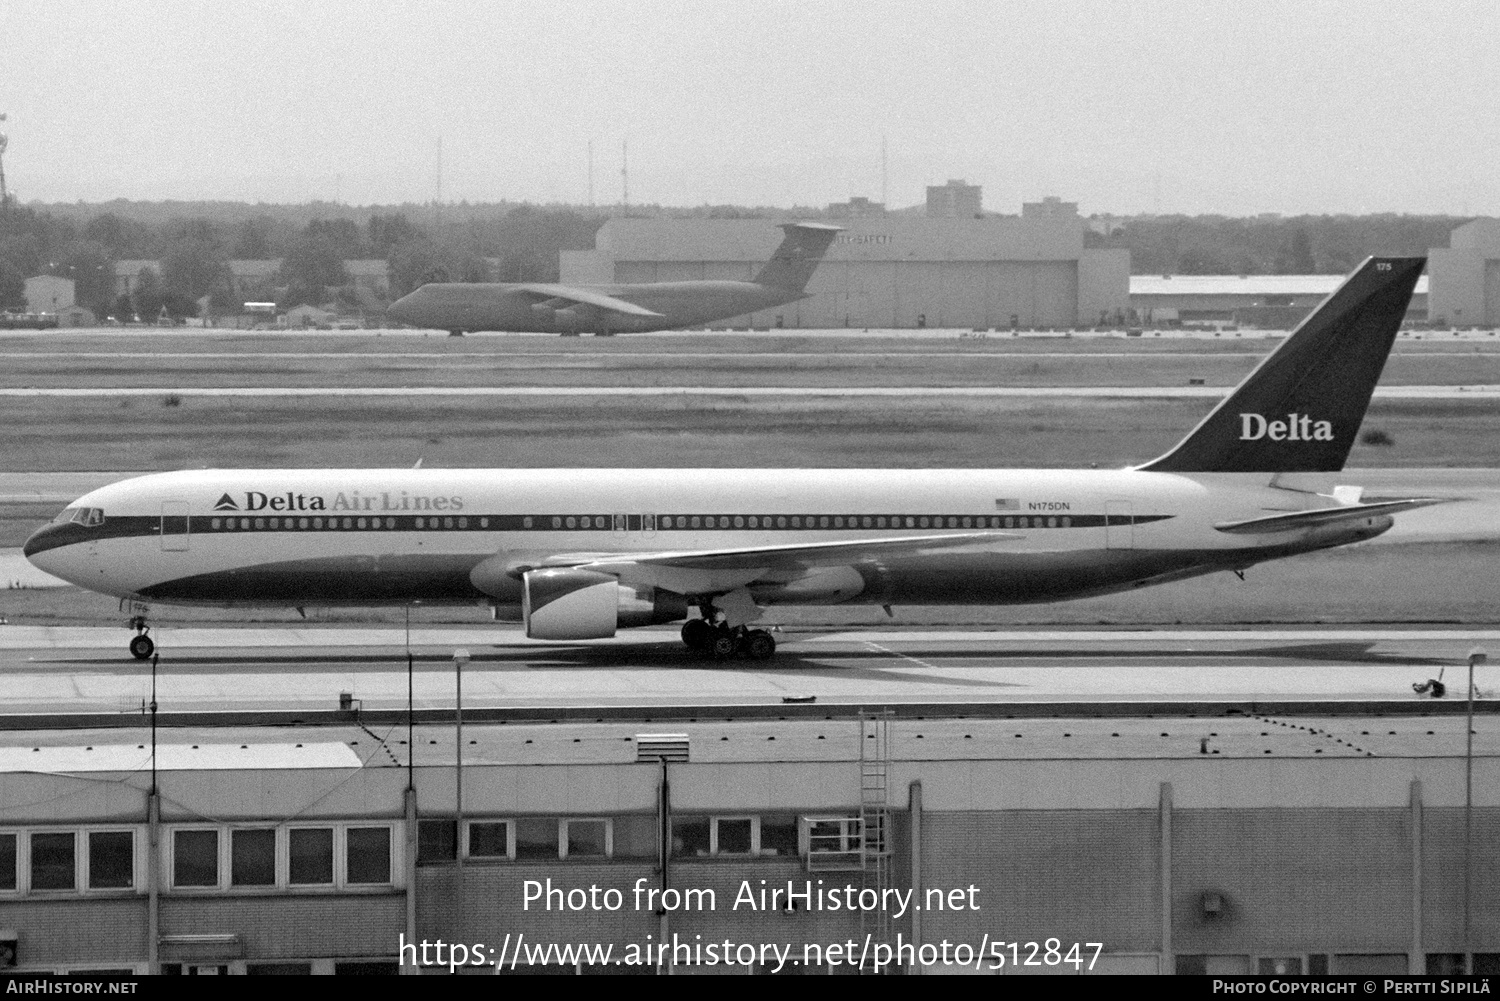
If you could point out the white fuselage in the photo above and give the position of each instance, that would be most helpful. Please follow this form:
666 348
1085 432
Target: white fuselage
383 536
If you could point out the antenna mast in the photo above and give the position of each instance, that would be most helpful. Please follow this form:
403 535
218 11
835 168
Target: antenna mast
884 195
591 173
4 198
625 174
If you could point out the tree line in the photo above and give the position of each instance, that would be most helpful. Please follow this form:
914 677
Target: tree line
514 242
520 244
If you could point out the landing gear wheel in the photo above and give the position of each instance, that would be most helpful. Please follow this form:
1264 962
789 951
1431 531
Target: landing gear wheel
760 645
723 645
696 634
141 647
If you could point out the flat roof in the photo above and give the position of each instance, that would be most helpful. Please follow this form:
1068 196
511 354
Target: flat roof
1243 284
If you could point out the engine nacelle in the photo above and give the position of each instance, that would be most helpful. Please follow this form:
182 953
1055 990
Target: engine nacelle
564 603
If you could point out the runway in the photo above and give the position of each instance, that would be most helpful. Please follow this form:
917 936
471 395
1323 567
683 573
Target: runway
1485 391
70 670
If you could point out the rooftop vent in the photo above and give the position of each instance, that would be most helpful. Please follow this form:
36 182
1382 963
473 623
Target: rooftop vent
661 747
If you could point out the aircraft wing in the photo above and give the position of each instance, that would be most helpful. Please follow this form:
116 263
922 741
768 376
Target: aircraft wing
1323 516
794 556
716 571
580 296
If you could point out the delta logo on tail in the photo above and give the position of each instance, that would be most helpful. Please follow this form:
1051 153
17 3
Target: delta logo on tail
1296 427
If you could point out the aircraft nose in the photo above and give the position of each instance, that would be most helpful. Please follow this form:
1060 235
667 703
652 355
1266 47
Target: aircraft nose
401 309
44 549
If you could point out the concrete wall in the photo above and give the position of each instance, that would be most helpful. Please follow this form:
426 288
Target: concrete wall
1465 289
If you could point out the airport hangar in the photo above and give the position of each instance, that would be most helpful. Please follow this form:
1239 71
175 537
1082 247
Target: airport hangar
1244 839
887 270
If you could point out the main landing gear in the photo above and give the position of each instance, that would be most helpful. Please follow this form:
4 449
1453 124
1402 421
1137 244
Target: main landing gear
723 642
141 646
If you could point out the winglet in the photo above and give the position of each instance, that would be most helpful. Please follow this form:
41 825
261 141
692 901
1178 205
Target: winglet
1301 408
791 267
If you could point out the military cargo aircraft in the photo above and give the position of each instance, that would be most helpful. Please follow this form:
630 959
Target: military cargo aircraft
610 309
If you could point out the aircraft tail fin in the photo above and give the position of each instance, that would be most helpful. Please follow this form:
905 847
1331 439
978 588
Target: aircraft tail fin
1301 408
793 263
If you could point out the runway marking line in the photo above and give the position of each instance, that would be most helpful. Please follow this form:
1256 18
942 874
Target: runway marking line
903 656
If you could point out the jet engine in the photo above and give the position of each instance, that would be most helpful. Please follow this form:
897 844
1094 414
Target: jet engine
564 603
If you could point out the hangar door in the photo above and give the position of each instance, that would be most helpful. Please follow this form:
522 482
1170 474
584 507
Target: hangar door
1491 293
1035 293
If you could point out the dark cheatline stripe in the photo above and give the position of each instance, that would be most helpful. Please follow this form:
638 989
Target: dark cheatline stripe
224 523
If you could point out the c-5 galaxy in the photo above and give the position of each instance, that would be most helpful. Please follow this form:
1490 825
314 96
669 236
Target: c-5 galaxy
609 309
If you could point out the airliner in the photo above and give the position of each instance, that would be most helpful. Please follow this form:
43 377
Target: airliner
610 309
578 554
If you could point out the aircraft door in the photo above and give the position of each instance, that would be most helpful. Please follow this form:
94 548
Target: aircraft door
1119 525
174 526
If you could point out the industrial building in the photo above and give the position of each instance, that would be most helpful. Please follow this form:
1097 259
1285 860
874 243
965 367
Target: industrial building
1466 276
886 270
1276 302
1225 842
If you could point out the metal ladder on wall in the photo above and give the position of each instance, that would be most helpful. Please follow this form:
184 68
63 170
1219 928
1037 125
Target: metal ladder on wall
875 815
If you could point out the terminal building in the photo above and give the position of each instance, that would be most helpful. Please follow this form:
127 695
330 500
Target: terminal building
888 269
1227 842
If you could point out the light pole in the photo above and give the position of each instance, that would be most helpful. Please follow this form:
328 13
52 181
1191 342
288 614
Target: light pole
460 658
1476 656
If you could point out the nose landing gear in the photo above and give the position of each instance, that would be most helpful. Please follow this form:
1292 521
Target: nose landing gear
141 645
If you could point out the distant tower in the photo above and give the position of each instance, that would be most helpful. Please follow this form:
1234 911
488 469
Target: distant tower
437 198
591 173
625 175
885 195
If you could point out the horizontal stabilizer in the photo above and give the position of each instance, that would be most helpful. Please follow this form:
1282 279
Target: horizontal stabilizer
1323 516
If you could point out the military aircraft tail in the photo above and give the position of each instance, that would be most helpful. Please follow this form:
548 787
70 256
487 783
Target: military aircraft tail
793 263
1301 408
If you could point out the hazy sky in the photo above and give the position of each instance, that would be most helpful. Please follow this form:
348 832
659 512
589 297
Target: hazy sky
1234 107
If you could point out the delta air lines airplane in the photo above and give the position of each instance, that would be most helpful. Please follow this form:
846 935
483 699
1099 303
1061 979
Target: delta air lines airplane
578 554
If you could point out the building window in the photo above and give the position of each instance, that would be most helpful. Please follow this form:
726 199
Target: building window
8 866
536 838
633 836
833 836
586 838
111 860
252 858
690 836
778 834
437 841
490 839
367 855
195 858
733 836
310 856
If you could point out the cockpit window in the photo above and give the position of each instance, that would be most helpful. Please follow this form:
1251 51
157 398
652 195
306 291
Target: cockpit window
88 517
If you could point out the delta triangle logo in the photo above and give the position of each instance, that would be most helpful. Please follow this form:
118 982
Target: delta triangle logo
226 503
